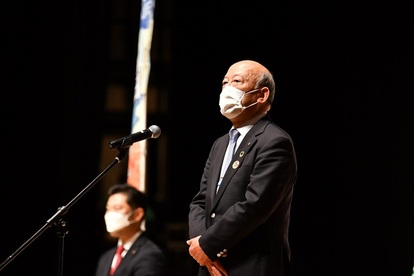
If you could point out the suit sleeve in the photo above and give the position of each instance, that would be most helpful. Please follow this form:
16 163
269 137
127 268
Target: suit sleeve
197 213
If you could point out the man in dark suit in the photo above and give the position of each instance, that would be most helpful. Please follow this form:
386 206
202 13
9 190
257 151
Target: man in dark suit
125 212
239 219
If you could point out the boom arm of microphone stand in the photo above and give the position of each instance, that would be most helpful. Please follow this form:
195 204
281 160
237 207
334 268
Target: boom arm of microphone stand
56 219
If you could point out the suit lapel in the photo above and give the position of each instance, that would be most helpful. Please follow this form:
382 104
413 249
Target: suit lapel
239 155
133 250
242 151
217 160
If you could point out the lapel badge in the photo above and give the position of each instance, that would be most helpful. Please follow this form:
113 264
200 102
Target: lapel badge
241 153
235 164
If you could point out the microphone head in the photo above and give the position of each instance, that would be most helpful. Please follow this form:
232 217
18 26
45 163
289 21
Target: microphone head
156 131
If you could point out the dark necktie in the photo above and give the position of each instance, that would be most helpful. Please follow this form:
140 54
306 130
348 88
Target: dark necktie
234 135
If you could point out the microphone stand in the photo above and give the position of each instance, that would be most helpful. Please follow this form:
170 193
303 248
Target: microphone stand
58 221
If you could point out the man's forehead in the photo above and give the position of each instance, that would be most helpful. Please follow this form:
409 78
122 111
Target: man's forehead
117 199
239 73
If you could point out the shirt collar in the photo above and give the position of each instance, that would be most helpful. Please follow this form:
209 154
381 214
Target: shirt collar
127 245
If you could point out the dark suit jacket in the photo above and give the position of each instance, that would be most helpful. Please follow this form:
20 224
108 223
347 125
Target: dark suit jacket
144 258
246 223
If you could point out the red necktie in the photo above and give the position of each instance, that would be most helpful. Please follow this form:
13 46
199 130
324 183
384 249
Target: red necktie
118 256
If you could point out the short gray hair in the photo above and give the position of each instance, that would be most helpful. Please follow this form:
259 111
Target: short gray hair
266 80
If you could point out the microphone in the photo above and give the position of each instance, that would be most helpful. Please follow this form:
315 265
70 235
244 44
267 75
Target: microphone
127 141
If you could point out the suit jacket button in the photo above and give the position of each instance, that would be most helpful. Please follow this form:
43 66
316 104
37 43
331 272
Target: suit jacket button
213 215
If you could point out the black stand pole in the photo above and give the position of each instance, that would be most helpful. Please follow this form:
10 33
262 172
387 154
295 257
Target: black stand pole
57 219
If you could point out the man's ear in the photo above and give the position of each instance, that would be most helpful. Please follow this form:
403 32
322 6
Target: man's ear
138 214
264 95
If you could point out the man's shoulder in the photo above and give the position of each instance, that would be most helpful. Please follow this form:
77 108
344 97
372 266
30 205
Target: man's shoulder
269 128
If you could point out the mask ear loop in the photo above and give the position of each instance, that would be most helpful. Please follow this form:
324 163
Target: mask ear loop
244 107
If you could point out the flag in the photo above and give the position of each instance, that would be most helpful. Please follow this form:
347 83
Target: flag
138 151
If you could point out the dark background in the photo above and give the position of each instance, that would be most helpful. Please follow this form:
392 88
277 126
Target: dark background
345 92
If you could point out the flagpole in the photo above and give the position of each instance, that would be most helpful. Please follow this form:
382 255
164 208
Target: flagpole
137 156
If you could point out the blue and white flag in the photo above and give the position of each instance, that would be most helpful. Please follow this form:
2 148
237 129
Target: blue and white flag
138 151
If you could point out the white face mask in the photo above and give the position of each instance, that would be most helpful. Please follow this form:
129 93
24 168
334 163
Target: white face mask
115 221
231 101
